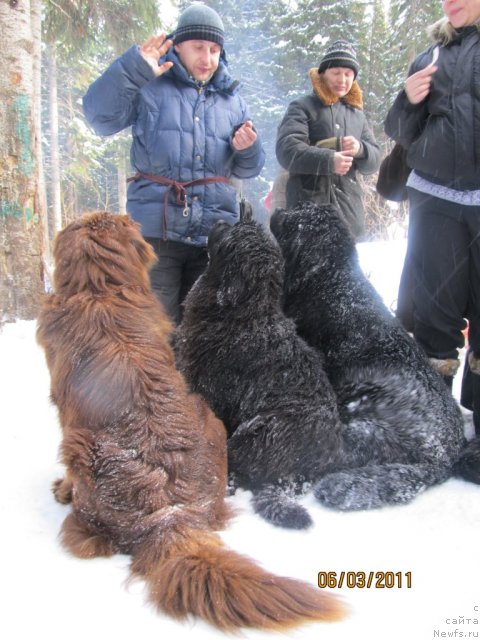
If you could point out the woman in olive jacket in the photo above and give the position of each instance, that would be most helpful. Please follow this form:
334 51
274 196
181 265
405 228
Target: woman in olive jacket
437 118
324 139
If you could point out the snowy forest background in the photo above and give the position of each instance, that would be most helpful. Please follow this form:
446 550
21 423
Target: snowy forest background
53 167
270 47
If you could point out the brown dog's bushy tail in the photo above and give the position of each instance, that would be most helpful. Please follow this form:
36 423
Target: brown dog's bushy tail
198 575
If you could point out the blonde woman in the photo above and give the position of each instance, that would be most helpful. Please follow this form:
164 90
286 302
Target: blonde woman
437 118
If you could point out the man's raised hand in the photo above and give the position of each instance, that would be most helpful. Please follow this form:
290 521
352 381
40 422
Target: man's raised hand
153 49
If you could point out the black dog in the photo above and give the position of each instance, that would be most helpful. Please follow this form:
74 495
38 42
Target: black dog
403 429
240 352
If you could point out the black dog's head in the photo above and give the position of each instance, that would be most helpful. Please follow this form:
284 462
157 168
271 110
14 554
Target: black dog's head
312 235
245 264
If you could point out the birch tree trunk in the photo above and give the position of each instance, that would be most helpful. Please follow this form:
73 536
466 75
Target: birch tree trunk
21 270
36 15
56 192
70 209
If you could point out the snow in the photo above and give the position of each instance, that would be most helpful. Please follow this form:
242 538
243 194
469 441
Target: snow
48 593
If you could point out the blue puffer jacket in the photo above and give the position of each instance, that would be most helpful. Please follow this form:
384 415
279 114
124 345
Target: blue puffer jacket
179 132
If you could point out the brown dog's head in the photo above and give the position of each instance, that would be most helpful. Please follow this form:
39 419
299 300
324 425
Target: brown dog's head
101 251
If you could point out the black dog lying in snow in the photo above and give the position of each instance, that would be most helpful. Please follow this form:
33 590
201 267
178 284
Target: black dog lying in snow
243 355
403 430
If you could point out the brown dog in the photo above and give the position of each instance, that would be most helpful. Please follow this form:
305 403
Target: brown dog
146 460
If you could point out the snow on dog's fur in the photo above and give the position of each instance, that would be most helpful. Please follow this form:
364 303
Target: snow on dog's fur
145 459
403 429
239 351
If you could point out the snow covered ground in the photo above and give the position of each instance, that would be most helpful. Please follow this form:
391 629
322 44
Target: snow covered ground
47 593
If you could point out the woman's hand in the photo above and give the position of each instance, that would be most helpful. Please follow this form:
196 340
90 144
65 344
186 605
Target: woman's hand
341 163
350 146
417 86
153 49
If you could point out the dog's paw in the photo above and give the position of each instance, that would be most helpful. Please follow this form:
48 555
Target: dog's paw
281 510
347 492
82 542
372 487
62 490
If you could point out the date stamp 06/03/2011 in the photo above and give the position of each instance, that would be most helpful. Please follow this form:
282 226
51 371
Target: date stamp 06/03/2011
365 579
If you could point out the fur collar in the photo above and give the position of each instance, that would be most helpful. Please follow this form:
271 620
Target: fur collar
354 97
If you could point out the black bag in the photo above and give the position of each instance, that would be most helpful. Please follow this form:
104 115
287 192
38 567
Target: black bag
393 175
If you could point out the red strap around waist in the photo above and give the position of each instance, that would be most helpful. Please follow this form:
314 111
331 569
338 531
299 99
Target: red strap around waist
178 187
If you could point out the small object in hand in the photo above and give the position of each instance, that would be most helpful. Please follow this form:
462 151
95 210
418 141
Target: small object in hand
435 53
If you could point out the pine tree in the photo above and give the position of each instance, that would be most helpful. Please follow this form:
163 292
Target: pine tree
408 24
374 74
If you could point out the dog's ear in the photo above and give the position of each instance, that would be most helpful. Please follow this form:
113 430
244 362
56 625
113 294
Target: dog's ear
276 221
231 289
332 232
145 252
220 267
217 232
129 234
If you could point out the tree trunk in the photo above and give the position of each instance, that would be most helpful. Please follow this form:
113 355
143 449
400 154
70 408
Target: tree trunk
56 192
412 47
21 271
122 184
36 16
69 187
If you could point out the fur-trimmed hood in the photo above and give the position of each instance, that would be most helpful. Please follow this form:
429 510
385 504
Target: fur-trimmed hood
354 97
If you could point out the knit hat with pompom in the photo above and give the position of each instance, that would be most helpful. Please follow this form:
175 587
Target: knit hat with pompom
339 54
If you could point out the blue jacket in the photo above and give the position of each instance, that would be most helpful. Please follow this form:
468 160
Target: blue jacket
179 132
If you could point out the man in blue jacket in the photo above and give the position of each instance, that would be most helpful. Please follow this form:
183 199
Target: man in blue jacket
192 134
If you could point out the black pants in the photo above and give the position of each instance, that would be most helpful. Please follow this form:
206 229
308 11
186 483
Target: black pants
442 270
444 255
172 277
404 310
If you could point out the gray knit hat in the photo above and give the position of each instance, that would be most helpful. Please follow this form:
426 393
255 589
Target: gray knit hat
199 22
339 54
